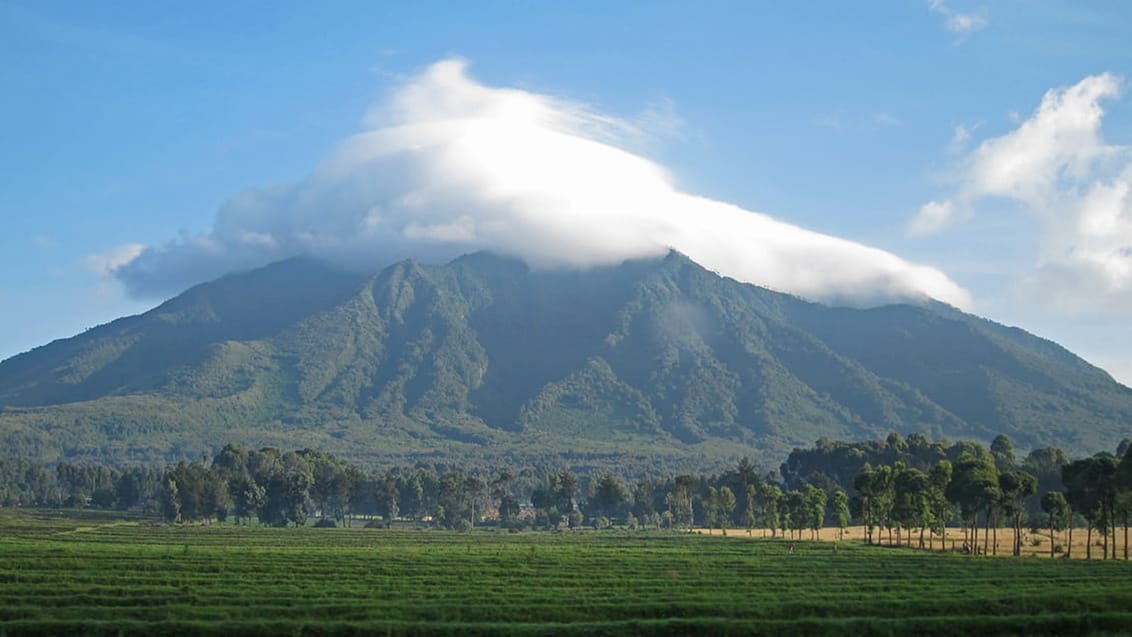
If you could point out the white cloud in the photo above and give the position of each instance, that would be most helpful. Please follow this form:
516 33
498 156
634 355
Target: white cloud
959 138
108 262
962 24
446 165
1076 187
933 217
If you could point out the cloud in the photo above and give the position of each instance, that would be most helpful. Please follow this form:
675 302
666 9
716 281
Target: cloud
959 138
446 166
962 24
933 217
111 261
1076 187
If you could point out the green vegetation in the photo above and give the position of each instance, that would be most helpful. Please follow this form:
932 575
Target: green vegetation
988 485
90 575
651 366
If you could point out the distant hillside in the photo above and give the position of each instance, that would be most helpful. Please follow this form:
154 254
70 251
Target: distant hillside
650 362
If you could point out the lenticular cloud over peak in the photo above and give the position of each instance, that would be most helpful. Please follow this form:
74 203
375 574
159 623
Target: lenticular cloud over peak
447 166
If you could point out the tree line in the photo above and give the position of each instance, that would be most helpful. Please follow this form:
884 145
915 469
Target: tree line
911 489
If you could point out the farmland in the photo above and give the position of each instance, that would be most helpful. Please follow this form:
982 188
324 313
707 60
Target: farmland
89 573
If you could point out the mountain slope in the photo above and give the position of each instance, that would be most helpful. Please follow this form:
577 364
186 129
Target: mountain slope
483 358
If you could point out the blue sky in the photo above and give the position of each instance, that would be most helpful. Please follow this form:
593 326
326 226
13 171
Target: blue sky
134 133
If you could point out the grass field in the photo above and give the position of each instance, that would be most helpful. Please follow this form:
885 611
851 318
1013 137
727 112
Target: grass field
90 574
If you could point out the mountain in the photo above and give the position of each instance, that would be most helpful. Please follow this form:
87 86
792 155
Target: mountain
651 363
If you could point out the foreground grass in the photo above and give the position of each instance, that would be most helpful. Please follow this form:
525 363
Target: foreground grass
60 575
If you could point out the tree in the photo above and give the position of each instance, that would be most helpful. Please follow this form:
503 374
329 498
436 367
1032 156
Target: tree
679 500
770 498
912 500
726 507
974 488
1090 491
813 504
746 478
1055 506
501 488
796 517
1002 450
1014 487
1124 489
863 485
840 505
942 509
710 504
287 492
610 497
749 516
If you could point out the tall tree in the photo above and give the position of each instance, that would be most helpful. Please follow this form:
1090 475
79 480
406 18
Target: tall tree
1002 450
1014 487
726 507
912 501
974 489
1089 489
813 502
1057 510
942 509
840 506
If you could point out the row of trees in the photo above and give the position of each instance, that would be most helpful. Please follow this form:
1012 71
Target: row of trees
991 484
915 486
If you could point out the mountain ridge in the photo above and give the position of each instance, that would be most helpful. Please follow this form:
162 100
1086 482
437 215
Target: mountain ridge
484 357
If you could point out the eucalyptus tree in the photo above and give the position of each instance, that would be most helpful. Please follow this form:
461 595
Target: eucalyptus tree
1057 510
864 484
1090 489
840 506
710 506
1016 486
1124 489
911 501
942 508
1002 450
974 489
813 503
770 506
725 507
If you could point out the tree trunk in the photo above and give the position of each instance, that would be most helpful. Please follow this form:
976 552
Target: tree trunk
1018 534
1069 544
986 533
1051 536
1089 542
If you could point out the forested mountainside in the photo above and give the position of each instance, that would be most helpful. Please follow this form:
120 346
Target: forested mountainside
657 361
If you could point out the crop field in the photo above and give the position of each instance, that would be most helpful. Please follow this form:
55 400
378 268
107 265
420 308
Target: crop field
91 574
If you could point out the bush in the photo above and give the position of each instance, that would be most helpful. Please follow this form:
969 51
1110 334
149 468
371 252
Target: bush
325 523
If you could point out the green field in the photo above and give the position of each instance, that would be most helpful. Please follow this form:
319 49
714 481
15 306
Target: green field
92 574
